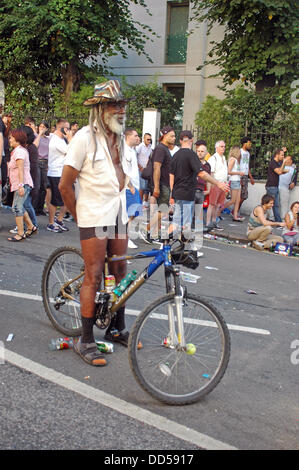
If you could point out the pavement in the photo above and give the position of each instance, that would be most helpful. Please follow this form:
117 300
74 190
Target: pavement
232 232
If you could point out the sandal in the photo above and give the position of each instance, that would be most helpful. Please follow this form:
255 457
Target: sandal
240 219
90 353
32 231
14 239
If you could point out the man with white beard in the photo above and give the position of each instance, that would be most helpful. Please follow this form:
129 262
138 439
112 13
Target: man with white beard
95 159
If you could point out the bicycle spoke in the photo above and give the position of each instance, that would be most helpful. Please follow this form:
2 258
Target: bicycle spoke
173 375
63 266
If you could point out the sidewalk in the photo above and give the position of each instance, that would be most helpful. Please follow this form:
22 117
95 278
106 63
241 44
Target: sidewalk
233 231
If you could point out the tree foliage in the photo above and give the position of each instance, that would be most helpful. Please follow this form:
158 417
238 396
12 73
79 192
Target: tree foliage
268 118
260 44
150 95
58 42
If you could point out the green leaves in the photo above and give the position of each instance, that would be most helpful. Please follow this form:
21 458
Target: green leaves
269 118
40 39
261 38
149 95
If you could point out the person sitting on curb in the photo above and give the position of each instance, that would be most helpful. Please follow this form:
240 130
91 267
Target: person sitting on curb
259 230
291 231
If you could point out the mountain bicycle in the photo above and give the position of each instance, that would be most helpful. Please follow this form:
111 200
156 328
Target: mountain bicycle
185 340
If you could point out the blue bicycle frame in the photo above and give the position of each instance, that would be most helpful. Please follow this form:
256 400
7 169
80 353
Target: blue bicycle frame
161 256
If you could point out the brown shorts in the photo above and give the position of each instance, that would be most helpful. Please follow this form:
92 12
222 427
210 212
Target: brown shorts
217 197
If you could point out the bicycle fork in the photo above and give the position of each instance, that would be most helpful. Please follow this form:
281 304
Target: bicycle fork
176 338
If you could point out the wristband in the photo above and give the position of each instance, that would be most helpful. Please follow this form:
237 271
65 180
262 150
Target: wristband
21 185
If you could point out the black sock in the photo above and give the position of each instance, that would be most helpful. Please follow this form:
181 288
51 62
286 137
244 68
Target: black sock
118 321
87 327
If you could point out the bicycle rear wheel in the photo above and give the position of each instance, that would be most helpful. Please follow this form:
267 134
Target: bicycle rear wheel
64 265
171 375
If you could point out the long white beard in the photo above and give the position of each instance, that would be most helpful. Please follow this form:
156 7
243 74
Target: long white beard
110 120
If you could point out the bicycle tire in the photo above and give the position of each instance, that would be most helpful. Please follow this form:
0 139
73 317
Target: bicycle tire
172 379
63 264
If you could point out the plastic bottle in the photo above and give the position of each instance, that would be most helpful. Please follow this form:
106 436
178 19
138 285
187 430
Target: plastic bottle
104 347
124 283
61 343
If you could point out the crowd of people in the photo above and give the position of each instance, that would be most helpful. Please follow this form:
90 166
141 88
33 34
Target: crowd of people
174 179
103 176
32 161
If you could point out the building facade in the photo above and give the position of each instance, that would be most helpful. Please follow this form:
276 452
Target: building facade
175 55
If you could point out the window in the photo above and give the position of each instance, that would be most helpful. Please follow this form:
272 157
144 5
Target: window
177 25
177 90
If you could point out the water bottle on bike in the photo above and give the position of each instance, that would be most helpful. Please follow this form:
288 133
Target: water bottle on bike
125 282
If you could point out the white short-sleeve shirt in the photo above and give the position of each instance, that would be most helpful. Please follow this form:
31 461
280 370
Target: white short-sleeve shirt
244 162
130 165
98 197
57 151
218 165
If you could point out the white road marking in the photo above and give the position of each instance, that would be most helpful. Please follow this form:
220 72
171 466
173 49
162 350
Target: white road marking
211 248
117 404
245 329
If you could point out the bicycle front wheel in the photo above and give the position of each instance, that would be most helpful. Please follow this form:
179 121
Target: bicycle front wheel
61 283
171 375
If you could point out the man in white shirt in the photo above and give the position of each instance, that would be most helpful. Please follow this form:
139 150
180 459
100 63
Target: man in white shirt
244 167
58 147
96 159
217 196
144 150
130 167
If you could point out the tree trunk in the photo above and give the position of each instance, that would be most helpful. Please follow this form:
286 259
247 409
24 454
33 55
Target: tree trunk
70 79
268 81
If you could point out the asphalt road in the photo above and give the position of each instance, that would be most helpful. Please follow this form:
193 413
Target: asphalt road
53 400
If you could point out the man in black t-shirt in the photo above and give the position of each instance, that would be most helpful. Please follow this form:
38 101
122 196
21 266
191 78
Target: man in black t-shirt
160 184
185 167
161 163
275 168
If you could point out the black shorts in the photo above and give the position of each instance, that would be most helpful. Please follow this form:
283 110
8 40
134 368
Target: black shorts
199 197
56 199
110 232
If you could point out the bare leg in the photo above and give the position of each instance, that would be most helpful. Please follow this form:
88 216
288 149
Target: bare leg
20 225
28 221
52 211
210 211
61 214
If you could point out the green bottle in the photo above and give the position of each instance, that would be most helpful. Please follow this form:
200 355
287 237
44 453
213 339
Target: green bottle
124 283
